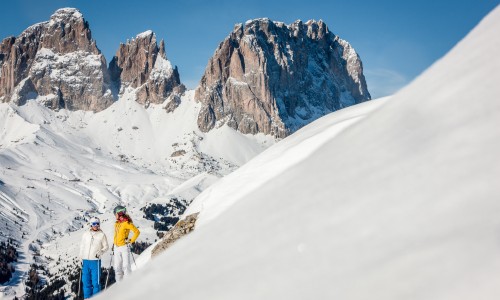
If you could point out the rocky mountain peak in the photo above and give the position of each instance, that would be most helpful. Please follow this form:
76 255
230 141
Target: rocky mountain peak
66 14
274 78
142 64
316 30
133 72
67 31
147 35
162 52
56 62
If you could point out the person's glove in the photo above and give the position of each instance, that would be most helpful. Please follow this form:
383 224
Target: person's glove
98 254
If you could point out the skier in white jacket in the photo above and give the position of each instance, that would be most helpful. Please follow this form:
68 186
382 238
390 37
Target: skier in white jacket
93 245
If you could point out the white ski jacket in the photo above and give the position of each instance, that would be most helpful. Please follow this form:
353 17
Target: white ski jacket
94 244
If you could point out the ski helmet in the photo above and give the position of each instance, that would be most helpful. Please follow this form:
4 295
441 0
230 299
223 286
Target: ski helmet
120 210
94 221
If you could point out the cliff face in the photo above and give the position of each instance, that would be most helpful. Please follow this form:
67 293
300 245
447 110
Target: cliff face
265 77
141 64
274 78
56 61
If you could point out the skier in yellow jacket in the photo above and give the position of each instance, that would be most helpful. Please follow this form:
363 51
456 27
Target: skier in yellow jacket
123 226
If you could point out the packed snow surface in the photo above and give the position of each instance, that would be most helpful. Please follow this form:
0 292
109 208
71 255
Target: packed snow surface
402 204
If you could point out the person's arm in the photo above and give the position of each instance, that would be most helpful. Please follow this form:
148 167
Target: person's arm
135 231
82 245
104 244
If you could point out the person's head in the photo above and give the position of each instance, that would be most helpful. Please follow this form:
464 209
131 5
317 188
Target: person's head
95 224
120 211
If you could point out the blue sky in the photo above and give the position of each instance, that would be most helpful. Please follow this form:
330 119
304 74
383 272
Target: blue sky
396 40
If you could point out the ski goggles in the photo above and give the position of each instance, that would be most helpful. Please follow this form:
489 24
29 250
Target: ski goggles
121 212
95 224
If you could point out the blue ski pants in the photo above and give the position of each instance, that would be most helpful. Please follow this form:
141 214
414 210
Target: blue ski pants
91 274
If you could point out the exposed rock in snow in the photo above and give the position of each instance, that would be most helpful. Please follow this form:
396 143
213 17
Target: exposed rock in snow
180 229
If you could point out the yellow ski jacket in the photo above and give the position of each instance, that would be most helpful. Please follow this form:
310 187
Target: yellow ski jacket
122 230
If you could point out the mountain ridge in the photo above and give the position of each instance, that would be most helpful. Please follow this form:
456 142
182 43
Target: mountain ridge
280 77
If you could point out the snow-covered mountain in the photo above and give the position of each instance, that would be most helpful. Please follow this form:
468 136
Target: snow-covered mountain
59 167
400 204
388 199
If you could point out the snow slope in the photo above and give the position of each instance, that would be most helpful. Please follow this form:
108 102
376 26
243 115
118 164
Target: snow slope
58 168
401 205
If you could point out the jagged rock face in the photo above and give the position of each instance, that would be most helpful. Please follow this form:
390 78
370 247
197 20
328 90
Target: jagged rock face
58 62
141 64
272 78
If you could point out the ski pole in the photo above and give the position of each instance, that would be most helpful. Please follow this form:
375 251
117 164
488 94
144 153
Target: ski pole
110 264
79 281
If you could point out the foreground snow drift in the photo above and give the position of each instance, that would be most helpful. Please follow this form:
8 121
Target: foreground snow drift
402 205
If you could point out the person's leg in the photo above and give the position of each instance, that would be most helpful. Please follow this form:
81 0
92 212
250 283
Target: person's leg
118 263
96 276
86 279
126 260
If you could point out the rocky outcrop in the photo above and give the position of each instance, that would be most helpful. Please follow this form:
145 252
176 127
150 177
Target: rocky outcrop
180 229
56 62
142 65
272 78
